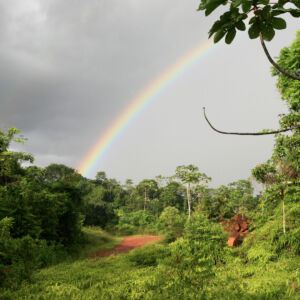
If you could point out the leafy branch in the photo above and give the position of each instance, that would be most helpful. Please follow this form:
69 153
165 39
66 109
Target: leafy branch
262 24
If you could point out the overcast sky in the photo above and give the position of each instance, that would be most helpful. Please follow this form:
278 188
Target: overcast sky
69 68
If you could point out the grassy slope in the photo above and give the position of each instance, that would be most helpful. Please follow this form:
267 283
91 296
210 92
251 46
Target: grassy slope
136 276
109 278
98 239
86 278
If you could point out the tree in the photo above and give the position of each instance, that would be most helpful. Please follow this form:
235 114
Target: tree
262 24
56 172
190 175
101 178
147 188
128 183
10 161
172 195
282 172
97 210
241 195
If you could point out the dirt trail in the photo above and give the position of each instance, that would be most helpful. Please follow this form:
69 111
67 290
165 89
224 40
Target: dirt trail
129 243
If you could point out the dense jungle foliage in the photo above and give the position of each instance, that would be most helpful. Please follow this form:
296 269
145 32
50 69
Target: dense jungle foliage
46 216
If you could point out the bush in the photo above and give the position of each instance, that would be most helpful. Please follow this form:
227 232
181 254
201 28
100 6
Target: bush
19 257
126 229
135 222
206 238
193 258
171 223
149 255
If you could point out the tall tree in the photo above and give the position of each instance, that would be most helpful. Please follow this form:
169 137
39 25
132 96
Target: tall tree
172 195
147 188
190 175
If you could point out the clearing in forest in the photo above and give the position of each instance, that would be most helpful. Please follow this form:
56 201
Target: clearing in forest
129 243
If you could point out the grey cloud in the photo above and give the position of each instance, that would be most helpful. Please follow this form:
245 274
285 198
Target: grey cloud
69 68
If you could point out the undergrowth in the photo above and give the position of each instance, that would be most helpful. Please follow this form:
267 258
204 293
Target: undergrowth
173 271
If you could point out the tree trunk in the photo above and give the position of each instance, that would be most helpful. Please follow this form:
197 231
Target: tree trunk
188 193
283 211
145 199
283 216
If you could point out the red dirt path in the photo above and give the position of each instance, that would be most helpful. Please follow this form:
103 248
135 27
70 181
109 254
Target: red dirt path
129 243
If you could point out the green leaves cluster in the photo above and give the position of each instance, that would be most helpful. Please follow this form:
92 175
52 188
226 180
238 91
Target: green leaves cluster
265 20
191 174
286 154
171 223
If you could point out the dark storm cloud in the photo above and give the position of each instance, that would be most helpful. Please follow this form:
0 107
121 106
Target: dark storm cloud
69 68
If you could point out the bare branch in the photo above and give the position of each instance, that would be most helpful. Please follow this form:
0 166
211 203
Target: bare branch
286 73
273 62
246 133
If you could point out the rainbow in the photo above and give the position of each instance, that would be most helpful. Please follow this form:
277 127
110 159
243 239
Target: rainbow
139 104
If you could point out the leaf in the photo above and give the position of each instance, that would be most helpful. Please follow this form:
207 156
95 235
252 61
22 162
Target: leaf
211 6
266 12
252 20
230 35
268 32
243 16
219 35
253 31
265 2
216 26
202 5
278 23
246 6
225 17
282 2
237 3
276 13
295 13
240 25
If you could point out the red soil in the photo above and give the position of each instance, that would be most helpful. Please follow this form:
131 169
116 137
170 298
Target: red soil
129 243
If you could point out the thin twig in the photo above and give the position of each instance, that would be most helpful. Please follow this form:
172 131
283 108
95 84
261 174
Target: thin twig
246 133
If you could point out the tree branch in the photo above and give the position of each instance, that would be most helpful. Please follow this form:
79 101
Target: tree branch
286 73
246 133
273 62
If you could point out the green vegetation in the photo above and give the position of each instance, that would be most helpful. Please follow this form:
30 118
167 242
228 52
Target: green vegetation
264 20
197 266
52 221
263 17
96 239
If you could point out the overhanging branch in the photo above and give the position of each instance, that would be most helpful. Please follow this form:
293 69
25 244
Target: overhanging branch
286 73
273 62
246 133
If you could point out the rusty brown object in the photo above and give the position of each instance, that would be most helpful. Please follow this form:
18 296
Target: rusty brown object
236 228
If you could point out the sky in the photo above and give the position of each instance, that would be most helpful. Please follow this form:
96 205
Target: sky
70 68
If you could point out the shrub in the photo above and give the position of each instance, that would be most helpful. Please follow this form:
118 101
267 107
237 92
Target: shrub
126 229
149 255
19 257
135 222
171 223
